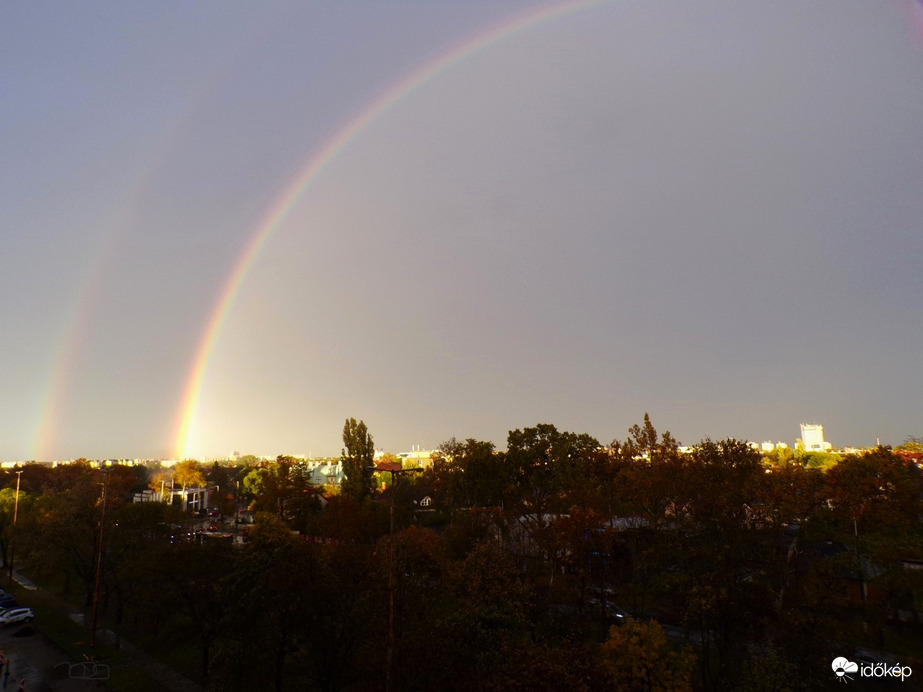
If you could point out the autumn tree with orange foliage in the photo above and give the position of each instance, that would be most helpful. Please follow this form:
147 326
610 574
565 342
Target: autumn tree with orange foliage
637 658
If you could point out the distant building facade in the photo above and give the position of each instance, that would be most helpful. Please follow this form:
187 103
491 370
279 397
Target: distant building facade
812 437
770 446
325 473
419 458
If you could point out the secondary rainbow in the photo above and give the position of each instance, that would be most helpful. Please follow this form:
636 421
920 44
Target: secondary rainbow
294 190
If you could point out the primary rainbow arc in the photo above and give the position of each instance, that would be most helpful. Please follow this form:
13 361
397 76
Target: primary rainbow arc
294 190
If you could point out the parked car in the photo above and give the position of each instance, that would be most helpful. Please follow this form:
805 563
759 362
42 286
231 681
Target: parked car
8 617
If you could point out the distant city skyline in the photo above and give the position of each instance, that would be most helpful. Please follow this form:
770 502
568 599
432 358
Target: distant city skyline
814 442
234 227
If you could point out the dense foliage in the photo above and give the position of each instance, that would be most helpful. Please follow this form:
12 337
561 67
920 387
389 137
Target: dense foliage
557 564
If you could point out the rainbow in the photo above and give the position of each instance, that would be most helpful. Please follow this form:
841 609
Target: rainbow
340 139
915 16
58 383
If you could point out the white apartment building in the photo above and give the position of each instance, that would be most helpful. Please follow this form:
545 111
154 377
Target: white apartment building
812 437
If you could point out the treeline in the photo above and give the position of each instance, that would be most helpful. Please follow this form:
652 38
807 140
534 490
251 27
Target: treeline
556 564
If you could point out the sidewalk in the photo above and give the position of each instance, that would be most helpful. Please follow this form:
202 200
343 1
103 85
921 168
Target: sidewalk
24 581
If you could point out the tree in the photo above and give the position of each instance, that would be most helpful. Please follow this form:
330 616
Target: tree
636 657
877 491
650 481
188 474
715 588
221 475
65 525
489 607
779 457
7 508
720 484
195 576
911 444
791 495
471 473
547 463
644 442
161 481
133 544
284 489
578 537
358 457
820 460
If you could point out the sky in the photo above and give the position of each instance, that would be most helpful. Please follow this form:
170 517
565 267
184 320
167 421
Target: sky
231 226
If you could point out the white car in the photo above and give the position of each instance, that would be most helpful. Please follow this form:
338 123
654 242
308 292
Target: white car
8 617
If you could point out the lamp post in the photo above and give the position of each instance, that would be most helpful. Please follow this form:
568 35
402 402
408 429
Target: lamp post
236 508
99 557
395 469
13 529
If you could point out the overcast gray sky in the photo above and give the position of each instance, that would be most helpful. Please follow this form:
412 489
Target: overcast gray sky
707 211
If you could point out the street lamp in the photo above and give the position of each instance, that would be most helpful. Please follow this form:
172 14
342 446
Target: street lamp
236 508
13 530
395 469
99 557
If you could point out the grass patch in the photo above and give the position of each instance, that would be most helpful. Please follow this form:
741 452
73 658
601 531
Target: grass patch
176 644
133 677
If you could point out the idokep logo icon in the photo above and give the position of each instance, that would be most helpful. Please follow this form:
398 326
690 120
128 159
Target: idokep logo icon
842 667
845 670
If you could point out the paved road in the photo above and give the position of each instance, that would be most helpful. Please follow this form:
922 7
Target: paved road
36 659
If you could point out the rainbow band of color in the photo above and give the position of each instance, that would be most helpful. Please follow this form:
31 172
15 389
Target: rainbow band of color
287 200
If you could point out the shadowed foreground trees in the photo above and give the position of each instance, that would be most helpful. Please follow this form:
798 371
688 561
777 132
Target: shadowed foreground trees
471 474
304 615
515 579
636 657
7 509
193 578
65 525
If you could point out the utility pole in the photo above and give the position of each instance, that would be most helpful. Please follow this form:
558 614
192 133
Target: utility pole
859 566
236 509
395 470
13 529
99 557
